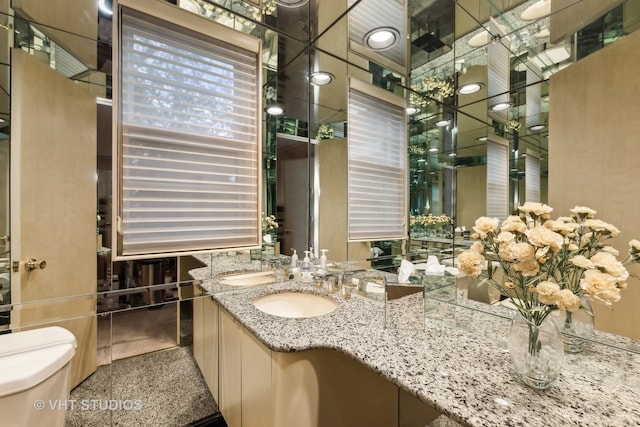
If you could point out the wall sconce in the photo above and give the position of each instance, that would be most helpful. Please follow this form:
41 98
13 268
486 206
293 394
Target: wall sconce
321 78
381 38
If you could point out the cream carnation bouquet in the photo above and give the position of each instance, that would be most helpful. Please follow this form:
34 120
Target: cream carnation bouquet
548 264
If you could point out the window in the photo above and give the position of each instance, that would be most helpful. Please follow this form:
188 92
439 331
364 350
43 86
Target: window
377 162
497 177
188 123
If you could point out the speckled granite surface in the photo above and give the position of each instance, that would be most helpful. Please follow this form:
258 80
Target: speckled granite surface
457 362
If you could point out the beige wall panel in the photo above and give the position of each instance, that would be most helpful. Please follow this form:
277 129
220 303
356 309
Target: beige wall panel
594 152
332 209
471 195
78 20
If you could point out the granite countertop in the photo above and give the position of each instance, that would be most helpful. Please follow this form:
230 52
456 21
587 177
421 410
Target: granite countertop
455 361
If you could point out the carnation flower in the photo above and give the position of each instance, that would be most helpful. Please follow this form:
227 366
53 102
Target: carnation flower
600 286
598 225
609 264
537 209
549 264
513 223
583 212
471 263
540 236
582 262
547 292
485 225
567 300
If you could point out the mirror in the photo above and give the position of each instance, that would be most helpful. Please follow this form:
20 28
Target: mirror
449 44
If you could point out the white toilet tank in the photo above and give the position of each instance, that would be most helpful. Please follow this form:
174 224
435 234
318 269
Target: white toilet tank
35 376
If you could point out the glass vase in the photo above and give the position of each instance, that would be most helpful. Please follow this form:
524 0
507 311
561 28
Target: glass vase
536 350
576 327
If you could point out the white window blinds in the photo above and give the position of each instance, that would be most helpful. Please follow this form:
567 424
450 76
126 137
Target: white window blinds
497 177
377 159
189 171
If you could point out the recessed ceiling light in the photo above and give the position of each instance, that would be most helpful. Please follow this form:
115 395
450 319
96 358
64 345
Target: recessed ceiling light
501 106
469 88
537 10
105 6
433 149
291 3
442 123
422 161
275 110
452 154
412 110
482 138
536 128
381 38
321 78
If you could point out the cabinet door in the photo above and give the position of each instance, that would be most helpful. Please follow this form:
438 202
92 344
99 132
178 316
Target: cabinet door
198 332
210 353
257 403
230 386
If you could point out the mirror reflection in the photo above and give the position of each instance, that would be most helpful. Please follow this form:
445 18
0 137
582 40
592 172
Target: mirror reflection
452 63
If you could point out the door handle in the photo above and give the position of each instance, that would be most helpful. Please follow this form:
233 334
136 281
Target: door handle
33 264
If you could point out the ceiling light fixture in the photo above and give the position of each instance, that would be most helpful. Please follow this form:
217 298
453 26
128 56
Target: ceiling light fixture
482 138
452 154
537 10
381 38
501 106
469 88
433 149
291 3
105 7
411 110
275 110
536 128
321 78
442 123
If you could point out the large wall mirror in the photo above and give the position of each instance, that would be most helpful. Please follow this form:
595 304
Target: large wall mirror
474 75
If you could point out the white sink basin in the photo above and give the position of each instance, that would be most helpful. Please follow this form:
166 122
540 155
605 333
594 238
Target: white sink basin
247 279
295 304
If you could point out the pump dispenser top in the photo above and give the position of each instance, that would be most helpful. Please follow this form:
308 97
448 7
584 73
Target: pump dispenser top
294 259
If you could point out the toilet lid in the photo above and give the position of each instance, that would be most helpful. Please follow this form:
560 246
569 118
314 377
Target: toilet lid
27 358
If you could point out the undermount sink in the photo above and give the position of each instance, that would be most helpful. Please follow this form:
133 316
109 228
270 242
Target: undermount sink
245 279
295 304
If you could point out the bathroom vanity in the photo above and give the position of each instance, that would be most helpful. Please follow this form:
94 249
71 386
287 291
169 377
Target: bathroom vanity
346 368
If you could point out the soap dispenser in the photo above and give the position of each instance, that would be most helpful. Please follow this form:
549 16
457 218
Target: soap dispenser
306 270
295 269
323 258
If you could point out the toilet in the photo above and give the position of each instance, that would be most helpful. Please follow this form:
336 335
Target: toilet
35 376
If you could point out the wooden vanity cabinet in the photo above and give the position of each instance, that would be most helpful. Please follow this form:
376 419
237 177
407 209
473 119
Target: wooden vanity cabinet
258 387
